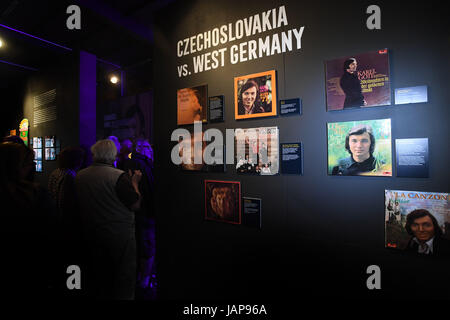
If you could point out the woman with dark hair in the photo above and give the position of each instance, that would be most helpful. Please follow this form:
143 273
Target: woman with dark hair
248 101
28 225
426 235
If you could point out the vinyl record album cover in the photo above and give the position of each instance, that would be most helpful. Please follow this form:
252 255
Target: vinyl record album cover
192 104
358 81
418 222
192 154
257 150
223 201
255 95
360 148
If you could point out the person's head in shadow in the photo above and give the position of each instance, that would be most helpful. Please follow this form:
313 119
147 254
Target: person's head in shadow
71 158
16 165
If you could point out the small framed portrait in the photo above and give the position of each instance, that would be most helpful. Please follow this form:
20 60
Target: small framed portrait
223 201
255 95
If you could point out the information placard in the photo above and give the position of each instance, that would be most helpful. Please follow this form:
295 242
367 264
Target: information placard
252 212
411 95
412 157
216 109
291 107
291 158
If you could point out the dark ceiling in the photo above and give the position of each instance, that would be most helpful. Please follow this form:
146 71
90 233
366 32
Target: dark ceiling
119 32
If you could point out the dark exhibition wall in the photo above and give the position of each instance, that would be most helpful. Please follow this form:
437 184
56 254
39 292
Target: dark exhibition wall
61 122
319 232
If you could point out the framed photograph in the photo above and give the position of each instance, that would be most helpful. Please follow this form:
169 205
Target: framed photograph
196 160
360 148
257 150
37 142
49 142
50 154
255 95
358 81
223 201
192 104
38 165
418 222
37 154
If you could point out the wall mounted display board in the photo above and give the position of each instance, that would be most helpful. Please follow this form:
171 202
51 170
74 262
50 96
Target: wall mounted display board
412 157
313 214
223 201
291 158
257 150
361 80
413 218
192 104
411 95
255 95
44 107
251 215
216 109
360 148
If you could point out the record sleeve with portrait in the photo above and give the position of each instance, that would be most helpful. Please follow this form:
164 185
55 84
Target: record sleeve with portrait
358 81
414 217
223 201
257 150
192 104
196 160
360 148
255 95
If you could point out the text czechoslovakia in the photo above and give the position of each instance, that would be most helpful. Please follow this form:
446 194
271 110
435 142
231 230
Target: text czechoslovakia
264 46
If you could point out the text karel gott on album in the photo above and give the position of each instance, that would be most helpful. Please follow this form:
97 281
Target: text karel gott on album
244 51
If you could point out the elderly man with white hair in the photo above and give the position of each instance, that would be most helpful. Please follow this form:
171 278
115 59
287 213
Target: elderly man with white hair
108 197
